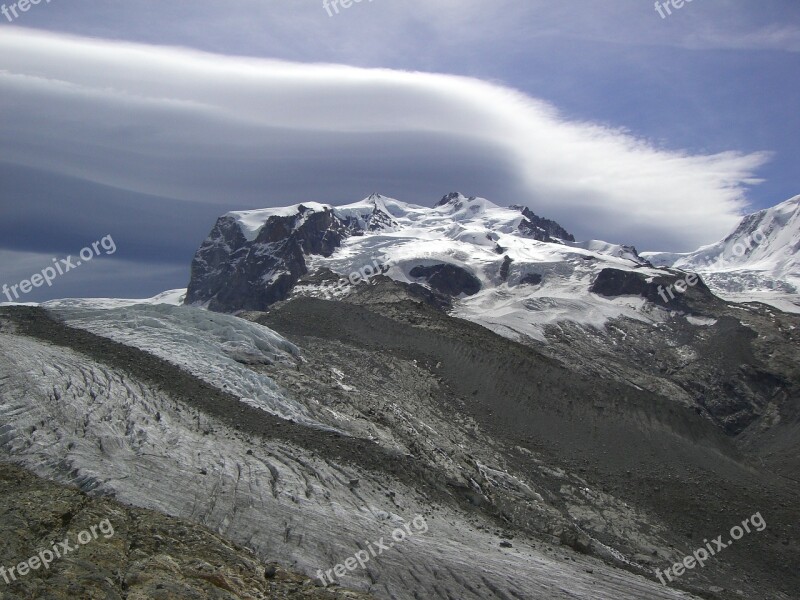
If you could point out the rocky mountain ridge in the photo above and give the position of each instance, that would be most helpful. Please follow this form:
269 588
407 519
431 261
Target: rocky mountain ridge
253 258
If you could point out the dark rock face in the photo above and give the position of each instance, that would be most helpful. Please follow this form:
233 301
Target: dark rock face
448 279
505 267
531 279
452 196
540 228
614 282
576 540
660 290
430 297
230 273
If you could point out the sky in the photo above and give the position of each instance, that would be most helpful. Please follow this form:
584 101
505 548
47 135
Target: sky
145 120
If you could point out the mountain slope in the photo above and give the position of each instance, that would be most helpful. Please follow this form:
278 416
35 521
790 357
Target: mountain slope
758 261
83 409
508 271
599 437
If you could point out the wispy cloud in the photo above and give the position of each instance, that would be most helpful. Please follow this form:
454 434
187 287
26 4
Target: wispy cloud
203 127
784 38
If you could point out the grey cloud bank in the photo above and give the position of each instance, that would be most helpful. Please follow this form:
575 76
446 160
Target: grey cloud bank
159 141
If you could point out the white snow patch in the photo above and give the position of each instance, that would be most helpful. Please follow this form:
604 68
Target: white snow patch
251 221
701 321
171 297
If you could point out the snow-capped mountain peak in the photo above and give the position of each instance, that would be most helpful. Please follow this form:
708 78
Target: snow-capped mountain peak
505 268
757 261
502 266
461 206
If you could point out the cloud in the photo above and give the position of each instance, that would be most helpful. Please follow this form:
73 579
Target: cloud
784 38
207 129
105 276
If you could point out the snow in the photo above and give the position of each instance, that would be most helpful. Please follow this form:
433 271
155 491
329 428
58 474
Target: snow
170 297
701 321
601 247
518 313
757 262
789 303
476 235
466 232
251 221
214 347
360 210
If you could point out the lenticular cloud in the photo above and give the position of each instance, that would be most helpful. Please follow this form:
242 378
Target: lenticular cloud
201 127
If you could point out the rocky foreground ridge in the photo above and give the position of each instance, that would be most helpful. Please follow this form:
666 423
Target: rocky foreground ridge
148 555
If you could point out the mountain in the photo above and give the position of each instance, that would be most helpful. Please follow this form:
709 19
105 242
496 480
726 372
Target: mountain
505 268
523 415
758 261
253 258
308 431
525 278
305 456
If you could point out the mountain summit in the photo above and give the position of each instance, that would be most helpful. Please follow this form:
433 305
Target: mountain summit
254 258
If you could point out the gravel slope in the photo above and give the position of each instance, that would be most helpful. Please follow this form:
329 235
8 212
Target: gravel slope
530 489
